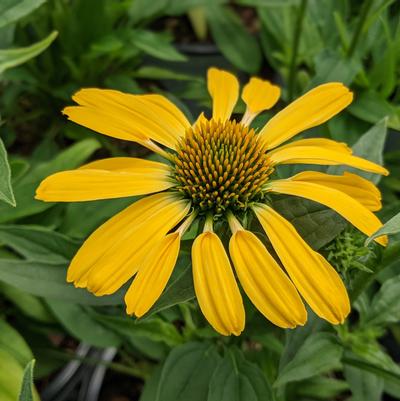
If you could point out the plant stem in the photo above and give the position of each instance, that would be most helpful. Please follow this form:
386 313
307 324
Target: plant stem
295 47
359 28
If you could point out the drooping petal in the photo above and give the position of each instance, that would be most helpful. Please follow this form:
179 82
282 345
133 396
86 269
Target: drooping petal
130 117
317 281
215 286
362 190
224 90
106 179
323 156
258 95
153 275
265 283
312 109
318 142
340 202
111 255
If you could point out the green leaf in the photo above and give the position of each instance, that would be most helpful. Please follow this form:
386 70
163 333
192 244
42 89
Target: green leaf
24 188
13 57
371 107
236 379
27 389
49 281
385 306
38 244
187 373
152 72
319 353
179 290
390 227
12 342
6 192
13 10
370 146
236 44
156 45
143 9
365 386
78 322
316 224
322 388
10 377
154 329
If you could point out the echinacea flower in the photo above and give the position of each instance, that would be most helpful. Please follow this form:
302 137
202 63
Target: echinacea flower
216 171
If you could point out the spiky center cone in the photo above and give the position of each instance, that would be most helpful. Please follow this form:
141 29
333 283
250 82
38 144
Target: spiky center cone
221 166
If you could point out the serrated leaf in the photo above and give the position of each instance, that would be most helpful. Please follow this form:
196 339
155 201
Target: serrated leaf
187 372
49 281
319 353
236 379
78 322
237 45
13 57
390 227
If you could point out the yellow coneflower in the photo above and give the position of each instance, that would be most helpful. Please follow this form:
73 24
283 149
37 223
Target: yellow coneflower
216 170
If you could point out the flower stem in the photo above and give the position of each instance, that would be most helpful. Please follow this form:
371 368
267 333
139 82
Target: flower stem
359 28
295 47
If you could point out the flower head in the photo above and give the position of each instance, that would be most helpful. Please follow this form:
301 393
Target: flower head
216 169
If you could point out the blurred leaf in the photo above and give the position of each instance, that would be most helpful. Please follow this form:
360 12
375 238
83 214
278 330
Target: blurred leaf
49 281
13 57
385 306
187 372
143 9
24 188
390 227
82 325
371 107
365 386
10 377
319 353
154 329
152 72
370 146
267 3
155 45
27 392
316 224
237 379
6 192
38 244
322 388
236 44
12 342
13 10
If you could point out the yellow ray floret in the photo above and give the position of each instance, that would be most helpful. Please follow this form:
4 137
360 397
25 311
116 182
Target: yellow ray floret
353 211
106 179
215 286
265 283
153 275
312 109
224 90
362 190
317 281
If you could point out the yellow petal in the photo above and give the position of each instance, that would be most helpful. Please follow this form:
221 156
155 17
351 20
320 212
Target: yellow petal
319 142
216 289
323 156
258 95
312 109
153 276
224 90
317 281
265 283
130 117
106 179
362 190
340 202
111 255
